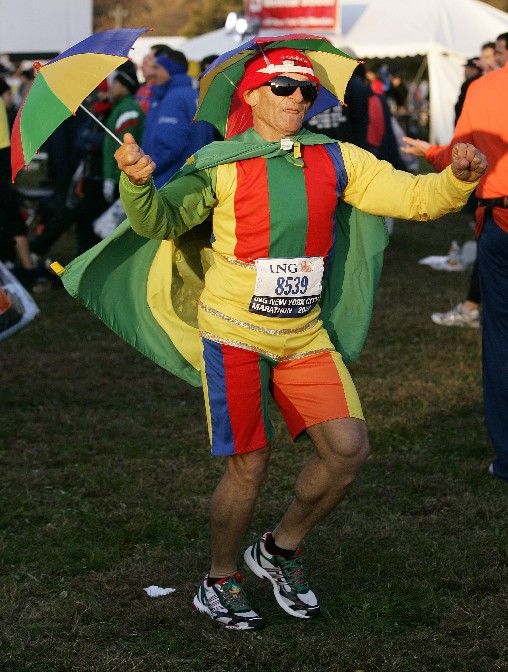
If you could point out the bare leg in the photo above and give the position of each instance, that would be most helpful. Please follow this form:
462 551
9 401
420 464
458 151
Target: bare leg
232 506
341 447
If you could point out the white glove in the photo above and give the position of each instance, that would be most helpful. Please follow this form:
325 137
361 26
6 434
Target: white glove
108 190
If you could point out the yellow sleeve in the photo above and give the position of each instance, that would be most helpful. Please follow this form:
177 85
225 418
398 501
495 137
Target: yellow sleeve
377 188
5 140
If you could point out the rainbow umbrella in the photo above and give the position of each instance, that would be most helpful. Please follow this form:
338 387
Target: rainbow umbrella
219 81
60 87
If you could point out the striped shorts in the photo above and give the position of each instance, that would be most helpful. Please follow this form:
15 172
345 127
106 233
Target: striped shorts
237 383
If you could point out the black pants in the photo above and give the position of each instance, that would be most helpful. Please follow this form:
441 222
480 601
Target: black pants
493 257
89 208
473 293
57 219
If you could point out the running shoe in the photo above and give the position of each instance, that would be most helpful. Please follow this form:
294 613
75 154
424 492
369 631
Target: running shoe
287 577
225 602
458 317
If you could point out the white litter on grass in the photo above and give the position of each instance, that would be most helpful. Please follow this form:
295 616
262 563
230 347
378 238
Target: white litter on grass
441 263
157 591
458 259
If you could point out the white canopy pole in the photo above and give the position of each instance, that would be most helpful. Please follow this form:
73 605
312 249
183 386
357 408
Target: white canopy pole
446 74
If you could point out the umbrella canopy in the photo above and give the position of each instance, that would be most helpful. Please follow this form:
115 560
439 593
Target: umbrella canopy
219 81
60 87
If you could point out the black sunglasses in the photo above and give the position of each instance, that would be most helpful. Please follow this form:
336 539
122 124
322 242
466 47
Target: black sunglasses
286 86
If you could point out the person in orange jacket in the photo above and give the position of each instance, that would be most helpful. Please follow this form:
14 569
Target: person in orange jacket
484 123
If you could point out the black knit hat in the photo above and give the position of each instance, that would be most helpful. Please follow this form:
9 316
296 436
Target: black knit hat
126 74
472 63
4 86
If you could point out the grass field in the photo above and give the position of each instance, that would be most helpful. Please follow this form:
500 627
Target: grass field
106 479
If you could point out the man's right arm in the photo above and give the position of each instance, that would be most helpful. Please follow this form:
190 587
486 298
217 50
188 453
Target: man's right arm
166 213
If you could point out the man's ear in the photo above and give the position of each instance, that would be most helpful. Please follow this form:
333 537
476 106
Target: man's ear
251 97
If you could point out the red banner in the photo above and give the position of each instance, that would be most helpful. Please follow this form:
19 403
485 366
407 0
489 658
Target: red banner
294 14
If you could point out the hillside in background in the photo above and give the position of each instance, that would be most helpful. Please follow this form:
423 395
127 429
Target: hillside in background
165 17
177 17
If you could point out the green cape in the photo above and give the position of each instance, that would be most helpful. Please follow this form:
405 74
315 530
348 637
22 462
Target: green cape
110 279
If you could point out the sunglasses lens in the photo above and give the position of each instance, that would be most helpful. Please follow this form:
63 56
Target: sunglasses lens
309 93
285 86
282 89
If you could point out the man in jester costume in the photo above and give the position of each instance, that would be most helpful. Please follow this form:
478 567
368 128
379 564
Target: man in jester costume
290 273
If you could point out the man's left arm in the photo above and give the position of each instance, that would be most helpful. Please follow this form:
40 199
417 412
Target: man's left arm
377 188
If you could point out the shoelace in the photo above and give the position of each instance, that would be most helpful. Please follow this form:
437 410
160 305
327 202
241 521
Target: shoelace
233 595
293 572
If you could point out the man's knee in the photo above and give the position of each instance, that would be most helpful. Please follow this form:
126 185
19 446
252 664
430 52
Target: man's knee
249 469
342 441
354 444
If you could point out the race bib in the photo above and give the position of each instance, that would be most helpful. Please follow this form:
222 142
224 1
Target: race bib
287 287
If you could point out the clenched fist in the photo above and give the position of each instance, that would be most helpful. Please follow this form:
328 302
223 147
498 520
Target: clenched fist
132 160
468 163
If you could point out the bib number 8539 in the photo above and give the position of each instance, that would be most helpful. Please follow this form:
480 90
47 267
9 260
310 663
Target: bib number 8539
287 287
291 285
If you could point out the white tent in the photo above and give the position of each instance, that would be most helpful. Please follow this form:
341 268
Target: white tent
445 31
143 45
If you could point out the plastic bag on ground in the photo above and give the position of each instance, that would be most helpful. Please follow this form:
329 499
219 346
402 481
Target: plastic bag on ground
17 307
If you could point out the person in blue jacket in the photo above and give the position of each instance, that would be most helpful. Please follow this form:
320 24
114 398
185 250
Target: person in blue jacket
170 135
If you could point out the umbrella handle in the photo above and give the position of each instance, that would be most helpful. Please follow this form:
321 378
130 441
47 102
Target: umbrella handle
101 124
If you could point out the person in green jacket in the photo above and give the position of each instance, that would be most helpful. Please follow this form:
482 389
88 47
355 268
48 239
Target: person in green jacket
126 115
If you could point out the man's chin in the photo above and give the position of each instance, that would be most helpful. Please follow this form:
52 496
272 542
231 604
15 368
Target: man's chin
291 129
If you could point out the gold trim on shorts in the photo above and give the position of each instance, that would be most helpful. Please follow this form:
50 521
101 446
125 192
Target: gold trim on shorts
301 355
254 327
277 358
